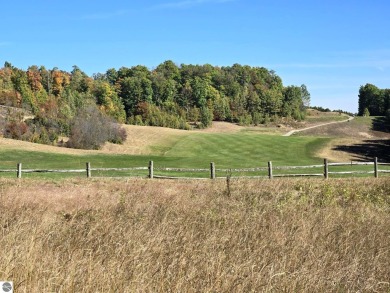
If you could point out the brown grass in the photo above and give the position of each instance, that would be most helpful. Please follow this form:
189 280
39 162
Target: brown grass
356 132
140 140
191 236
329 150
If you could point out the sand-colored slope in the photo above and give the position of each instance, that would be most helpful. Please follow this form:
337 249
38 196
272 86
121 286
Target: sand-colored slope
141 140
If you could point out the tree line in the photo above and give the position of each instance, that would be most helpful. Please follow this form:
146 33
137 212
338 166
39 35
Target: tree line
374 101
170 95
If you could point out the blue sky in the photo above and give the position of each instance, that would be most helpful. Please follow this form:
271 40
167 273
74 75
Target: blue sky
333 47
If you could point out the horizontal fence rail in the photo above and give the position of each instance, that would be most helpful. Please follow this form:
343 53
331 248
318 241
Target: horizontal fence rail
119 169
352 164
211 173
181 170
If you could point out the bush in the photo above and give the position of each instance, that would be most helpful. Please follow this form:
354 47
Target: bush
90 129
245 120
206 117
117 134
15 129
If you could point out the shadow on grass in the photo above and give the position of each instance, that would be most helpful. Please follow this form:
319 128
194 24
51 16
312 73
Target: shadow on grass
368 150
380 124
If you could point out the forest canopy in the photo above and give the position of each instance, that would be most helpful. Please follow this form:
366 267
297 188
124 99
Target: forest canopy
169 95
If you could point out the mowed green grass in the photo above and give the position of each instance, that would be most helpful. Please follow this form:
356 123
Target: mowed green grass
245 150
197 150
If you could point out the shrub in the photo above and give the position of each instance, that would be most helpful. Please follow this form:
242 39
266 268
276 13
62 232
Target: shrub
15 129
90 129
206 117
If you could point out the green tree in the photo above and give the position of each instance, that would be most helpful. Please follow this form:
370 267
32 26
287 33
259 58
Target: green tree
79 81
20 81
169 70
108 100
134 90
293 103
372 98
164 89
305 96
200 92
206 117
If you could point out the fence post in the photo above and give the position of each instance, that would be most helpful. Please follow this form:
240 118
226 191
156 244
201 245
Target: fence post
150 169
326 169
19 170
212 170
88 169
270 175
376 167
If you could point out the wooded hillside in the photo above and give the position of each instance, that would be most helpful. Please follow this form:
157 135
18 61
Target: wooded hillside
169 95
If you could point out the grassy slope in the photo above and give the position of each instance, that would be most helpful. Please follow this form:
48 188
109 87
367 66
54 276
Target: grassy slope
363 138
227 145
194 150
325 117
245 149
358 127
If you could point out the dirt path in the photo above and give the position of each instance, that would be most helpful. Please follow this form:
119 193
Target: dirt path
315 126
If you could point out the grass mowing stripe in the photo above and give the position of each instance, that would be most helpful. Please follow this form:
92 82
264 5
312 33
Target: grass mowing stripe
245 150
197 150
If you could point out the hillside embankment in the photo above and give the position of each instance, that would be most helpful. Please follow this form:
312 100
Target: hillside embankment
359 139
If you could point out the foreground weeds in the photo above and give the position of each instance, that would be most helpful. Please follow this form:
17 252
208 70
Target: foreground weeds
191 236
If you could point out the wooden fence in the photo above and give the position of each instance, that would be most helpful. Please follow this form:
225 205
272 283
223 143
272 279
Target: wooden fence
212 171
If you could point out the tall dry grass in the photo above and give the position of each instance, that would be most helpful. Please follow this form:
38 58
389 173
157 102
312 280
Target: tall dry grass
191 236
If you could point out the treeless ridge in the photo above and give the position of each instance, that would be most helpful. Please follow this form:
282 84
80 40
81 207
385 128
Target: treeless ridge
317 126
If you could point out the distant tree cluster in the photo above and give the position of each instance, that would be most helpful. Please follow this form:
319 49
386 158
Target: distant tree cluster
172 95
374 101
55 98
321 109
345 112
168 95
327 110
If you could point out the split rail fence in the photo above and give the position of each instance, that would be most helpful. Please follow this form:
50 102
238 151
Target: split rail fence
270 171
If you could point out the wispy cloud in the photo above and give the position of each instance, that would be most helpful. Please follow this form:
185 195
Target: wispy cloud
190 3
105 15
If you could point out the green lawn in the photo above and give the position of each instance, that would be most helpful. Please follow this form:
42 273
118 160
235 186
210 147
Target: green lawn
197 150
239 150
245 150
